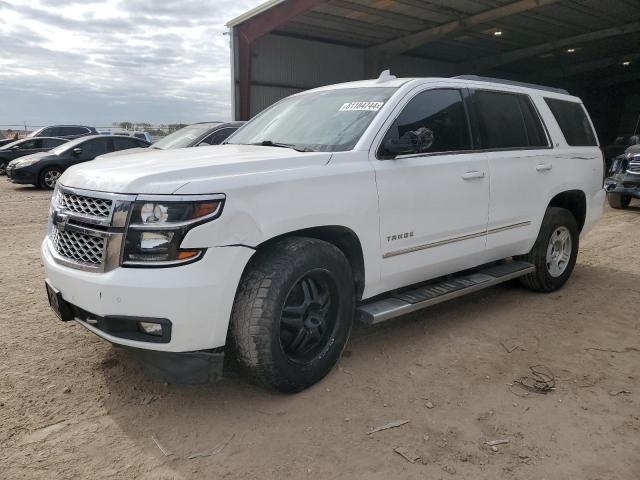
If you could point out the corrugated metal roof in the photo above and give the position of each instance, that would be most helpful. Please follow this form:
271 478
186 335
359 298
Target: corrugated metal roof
368 23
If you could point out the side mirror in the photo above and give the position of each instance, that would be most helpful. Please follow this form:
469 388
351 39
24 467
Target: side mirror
414 141
77 151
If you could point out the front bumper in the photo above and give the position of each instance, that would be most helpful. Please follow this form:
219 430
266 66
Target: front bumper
24 175
196 298
623 185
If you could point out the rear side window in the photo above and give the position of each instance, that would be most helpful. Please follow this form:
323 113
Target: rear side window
573 122
51 142
508 120
218 137
124 143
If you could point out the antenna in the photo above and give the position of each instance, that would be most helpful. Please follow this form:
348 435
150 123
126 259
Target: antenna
385 76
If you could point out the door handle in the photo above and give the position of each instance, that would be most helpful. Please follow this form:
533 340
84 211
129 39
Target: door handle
472 175
544 167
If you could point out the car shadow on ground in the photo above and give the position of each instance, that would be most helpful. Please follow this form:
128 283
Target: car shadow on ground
192 418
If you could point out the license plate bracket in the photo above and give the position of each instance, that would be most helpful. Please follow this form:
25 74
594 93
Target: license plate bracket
59 305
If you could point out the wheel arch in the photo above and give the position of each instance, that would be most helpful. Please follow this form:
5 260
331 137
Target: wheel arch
345 239
575 201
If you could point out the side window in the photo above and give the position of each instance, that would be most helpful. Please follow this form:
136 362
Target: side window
141 144
501 124
218 137
124 143
30 144
93 148
433 121
573 122
535 131
50 132
51 142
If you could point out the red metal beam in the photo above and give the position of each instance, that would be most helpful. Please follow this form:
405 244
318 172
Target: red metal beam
256 27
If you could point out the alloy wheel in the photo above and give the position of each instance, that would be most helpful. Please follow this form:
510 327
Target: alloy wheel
308 318
559 251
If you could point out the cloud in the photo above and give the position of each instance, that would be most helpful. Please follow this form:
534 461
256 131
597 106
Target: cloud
67 61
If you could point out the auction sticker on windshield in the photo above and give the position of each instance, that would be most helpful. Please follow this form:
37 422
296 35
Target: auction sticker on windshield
361 107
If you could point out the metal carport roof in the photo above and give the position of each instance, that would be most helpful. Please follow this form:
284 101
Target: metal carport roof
568 43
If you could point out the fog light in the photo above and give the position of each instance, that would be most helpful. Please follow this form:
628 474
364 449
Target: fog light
151 328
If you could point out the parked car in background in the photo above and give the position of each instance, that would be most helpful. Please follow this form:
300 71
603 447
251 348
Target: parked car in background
64 131
623 182
619 146
146 136
26 146
43 169
336 203
196 135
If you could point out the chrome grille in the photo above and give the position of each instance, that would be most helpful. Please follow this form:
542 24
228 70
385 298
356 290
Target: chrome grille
634 167
78 247
94 207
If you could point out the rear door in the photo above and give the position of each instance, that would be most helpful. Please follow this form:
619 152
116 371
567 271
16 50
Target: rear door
518 151
433 204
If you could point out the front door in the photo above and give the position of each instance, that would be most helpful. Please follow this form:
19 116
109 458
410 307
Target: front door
434 197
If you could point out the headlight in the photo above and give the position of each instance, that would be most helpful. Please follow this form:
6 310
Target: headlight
158 225
25 163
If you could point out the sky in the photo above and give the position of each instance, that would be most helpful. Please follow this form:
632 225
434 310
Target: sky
94 63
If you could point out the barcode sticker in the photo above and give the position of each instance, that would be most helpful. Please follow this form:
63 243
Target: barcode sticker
361 107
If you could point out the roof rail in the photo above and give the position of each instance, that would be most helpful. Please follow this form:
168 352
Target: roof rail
515 83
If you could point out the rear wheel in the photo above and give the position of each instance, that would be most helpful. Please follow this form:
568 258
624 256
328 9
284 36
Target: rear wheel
554 253
293 313
49 177
618 201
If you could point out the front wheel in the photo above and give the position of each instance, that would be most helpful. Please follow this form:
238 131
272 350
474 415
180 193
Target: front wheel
3 167
554 253
618 201
293 313
48 178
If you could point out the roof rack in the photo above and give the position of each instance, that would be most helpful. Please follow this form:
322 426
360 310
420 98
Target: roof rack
478 78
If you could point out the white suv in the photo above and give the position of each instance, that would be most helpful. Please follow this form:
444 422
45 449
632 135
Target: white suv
361 200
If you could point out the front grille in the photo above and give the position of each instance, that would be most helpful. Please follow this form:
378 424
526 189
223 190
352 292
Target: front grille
79 204
78 247
633 167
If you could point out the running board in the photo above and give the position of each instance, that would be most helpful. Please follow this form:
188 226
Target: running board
408 301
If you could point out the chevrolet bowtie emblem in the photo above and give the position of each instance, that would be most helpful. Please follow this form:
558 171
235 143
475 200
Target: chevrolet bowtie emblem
61 220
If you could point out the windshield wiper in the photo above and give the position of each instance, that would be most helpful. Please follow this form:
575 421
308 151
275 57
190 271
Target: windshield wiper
297 148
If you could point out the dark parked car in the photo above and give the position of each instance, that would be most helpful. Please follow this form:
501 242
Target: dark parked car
64 131
196 135
44 169
26 146
619 146
623 182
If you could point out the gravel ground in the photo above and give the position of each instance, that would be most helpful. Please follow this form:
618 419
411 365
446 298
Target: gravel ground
73 406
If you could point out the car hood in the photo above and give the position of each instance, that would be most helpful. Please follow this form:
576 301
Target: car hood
164 172
33 156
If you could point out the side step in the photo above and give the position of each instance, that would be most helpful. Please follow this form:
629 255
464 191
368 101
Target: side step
408 301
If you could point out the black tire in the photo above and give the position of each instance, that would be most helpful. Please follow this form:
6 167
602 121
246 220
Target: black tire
3 167
542 280
618 201
262 341
45 179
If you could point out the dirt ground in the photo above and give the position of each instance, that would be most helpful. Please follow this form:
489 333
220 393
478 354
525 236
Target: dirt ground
73 406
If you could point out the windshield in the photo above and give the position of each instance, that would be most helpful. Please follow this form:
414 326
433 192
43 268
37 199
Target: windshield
67 146
183 137
328 121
